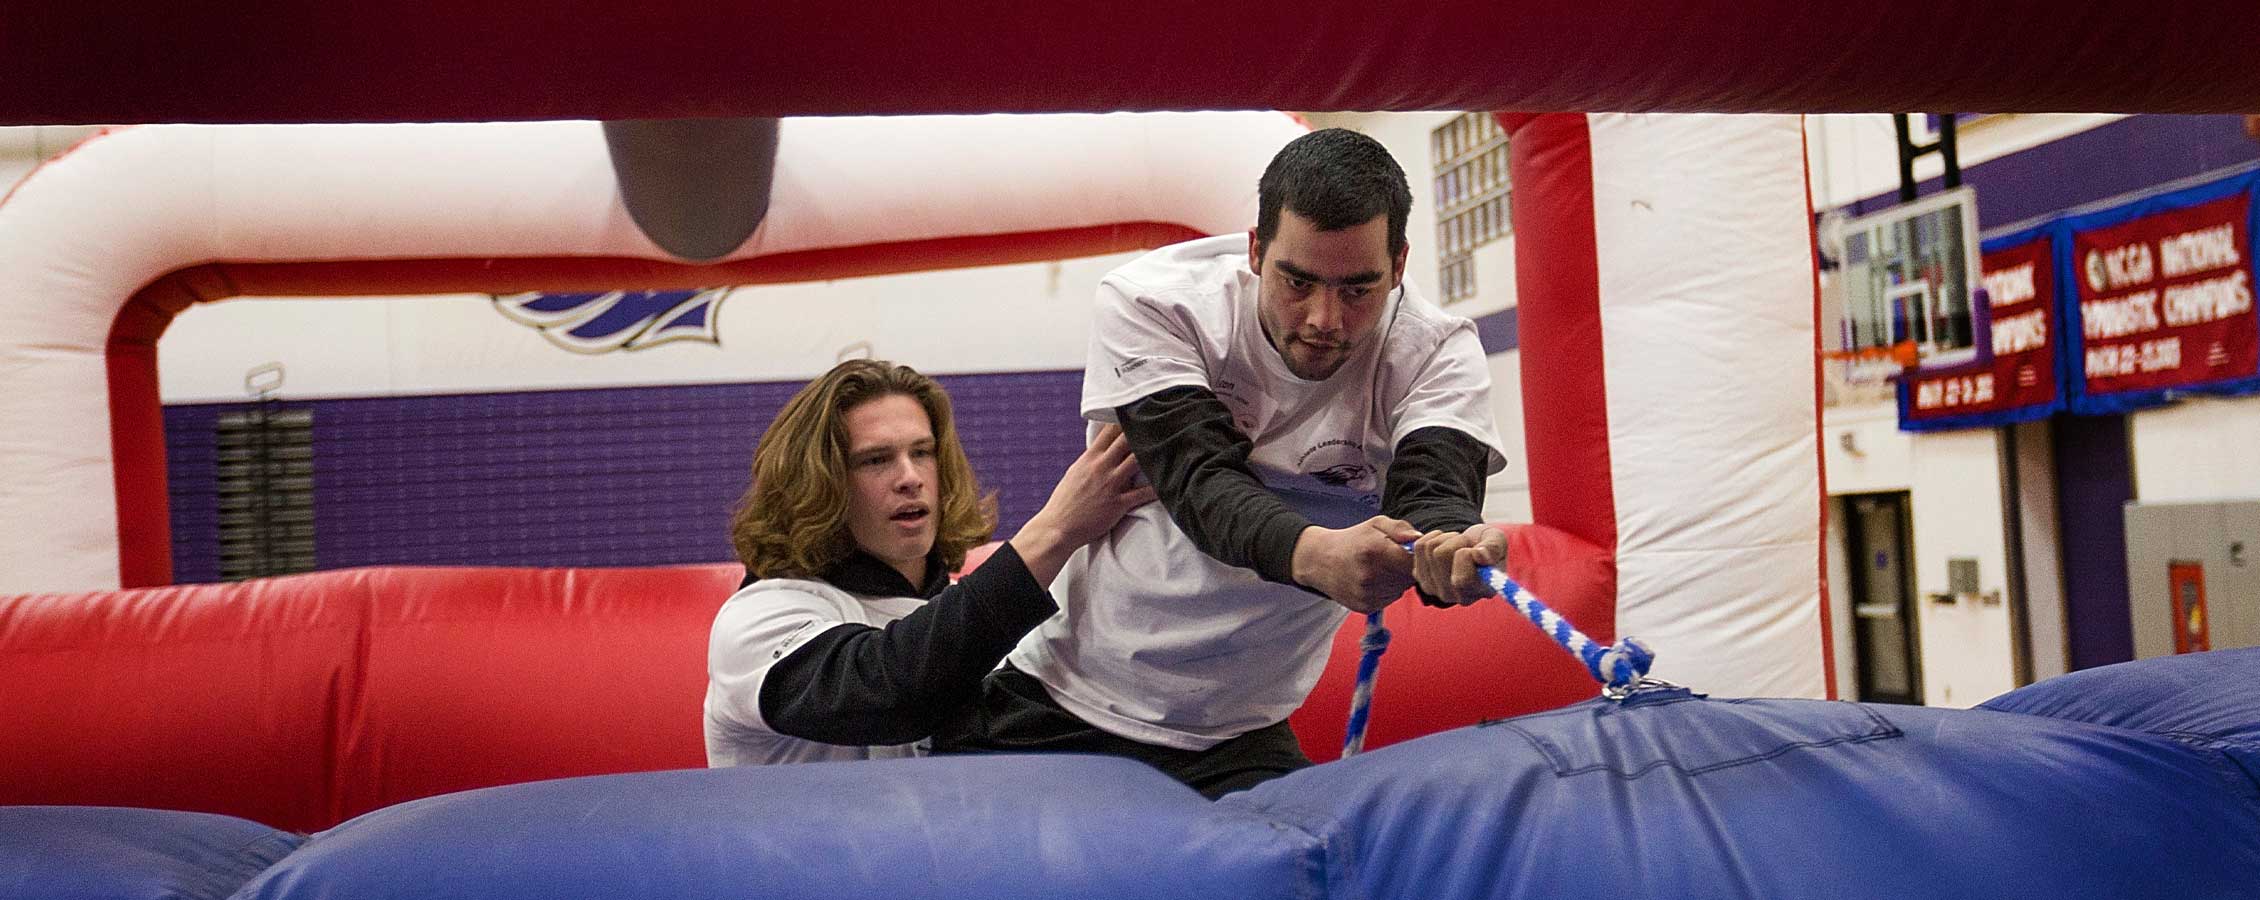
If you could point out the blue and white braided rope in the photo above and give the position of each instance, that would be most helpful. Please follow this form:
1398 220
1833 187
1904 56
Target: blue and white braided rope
1619 667
1361 698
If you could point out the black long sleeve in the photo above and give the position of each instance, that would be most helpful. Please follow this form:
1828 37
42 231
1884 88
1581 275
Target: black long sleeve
1436 480
1197 461
859 685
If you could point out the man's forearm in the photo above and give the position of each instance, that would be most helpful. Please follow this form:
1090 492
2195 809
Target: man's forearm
860 685
1436 480
1197 461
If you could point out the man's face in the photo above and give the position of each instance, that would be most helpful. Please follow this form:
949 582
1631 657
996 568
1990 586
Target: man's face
894 489
1320 293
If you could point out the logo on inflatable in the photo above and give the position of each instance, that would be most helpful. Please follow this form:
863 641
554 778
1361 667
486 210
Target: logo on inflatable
604 321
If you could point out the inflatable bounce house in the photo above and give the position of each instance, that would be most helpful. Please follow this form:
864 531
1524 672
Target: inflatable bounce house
533 733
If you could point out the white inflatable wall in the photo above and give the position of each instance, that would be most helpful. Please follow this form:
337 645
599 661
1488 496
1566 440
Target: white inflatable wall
87 230
1669 306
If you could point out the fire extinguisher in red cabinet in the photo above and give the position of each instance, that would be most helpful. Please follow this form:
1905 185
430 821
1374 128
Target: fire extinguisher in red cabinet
2188 578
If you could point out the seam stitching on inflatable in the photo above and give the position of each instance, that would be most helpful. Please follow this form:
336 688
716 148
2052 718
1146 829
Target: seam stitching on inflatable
2215 751
1299 820
1887 734
247 862
1881 729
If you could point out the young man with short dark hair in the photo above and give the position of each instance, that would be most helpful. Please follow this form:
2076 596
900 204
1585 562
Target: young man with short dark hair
1302 415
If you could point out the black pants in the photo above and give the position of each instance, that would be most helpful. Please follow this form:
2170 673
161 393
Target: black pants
1015 714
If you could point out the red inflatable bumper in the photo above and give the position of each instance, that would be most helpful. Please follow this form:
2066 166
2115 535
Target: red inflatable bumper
306 700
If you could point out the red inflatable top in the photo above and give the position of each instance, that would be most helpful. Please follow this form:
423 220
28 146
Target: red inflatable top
411 60
306 700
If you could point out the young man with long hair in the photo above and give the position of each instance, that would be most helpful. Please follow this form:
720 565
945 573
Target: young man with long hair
848 640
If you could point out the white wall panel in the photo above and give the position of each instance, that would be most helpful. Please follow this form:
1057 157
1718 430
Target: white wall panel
2201 448
1957 513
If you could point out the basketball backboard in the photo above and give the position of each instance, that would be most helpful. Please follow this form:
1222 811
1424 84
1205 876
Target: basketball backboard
1910 278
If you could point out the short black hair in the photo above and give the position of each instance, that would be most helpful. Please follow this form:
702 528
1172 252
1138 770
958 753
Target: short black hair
1336 178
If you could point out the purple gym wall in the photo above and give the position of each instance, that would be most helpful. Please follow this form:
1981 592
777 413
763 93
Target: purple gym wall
2131 154
2094 481
2094 474
609 477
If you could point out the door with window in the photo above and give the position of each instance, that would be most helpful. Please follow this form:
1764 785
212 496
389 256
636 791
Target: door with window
1878 544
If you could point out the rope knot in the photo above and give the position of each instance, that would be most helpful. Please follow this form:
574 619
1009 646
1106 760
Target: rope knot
1376 640
1625 662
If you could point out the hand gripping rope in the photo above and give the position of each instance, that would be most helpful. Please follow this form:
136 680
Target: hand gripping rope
1620 667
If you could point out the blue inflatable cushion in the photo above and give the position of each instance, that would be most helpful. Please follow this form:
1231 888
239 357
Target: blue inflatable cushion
990 827
112 853
1672 795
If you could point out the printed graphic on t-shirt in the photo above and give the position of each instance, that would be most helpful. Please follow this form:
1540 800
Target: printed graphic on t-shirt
1335 483
1131 365
1341 463
1251 409
792 641
1334 496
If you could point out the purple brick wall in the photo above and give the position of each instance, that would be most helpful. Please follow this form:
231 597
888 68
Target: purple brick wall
610 477
192 480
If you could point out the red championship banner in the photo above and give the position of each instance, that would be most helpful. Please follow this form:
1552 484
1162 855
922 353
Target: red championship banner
2020 289
2166 300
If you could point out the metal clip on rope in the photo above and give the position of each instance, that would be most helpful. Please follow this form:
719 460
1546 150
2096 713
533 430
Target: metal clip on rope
1621 668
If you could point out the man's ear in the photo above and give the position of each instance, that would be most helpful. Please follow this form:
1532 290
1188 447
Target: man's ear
1397 267
1255 253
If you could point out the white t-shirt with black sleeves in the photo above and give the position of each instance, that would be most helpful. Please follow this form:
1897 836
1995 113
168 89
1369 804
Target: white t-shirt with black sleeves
1155 640
761 624
859 663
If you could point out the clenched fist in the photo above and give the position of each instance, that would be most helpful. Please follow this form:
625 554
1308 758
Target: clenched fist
1363 567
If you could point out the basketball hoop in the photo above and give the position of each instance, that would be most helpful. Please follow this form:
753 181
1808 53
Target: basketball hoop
1866 374
1875 364
1906 297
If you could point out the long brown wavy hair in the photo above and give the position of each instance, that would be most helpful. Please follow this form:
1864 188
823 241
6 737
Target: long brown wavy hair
792 521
